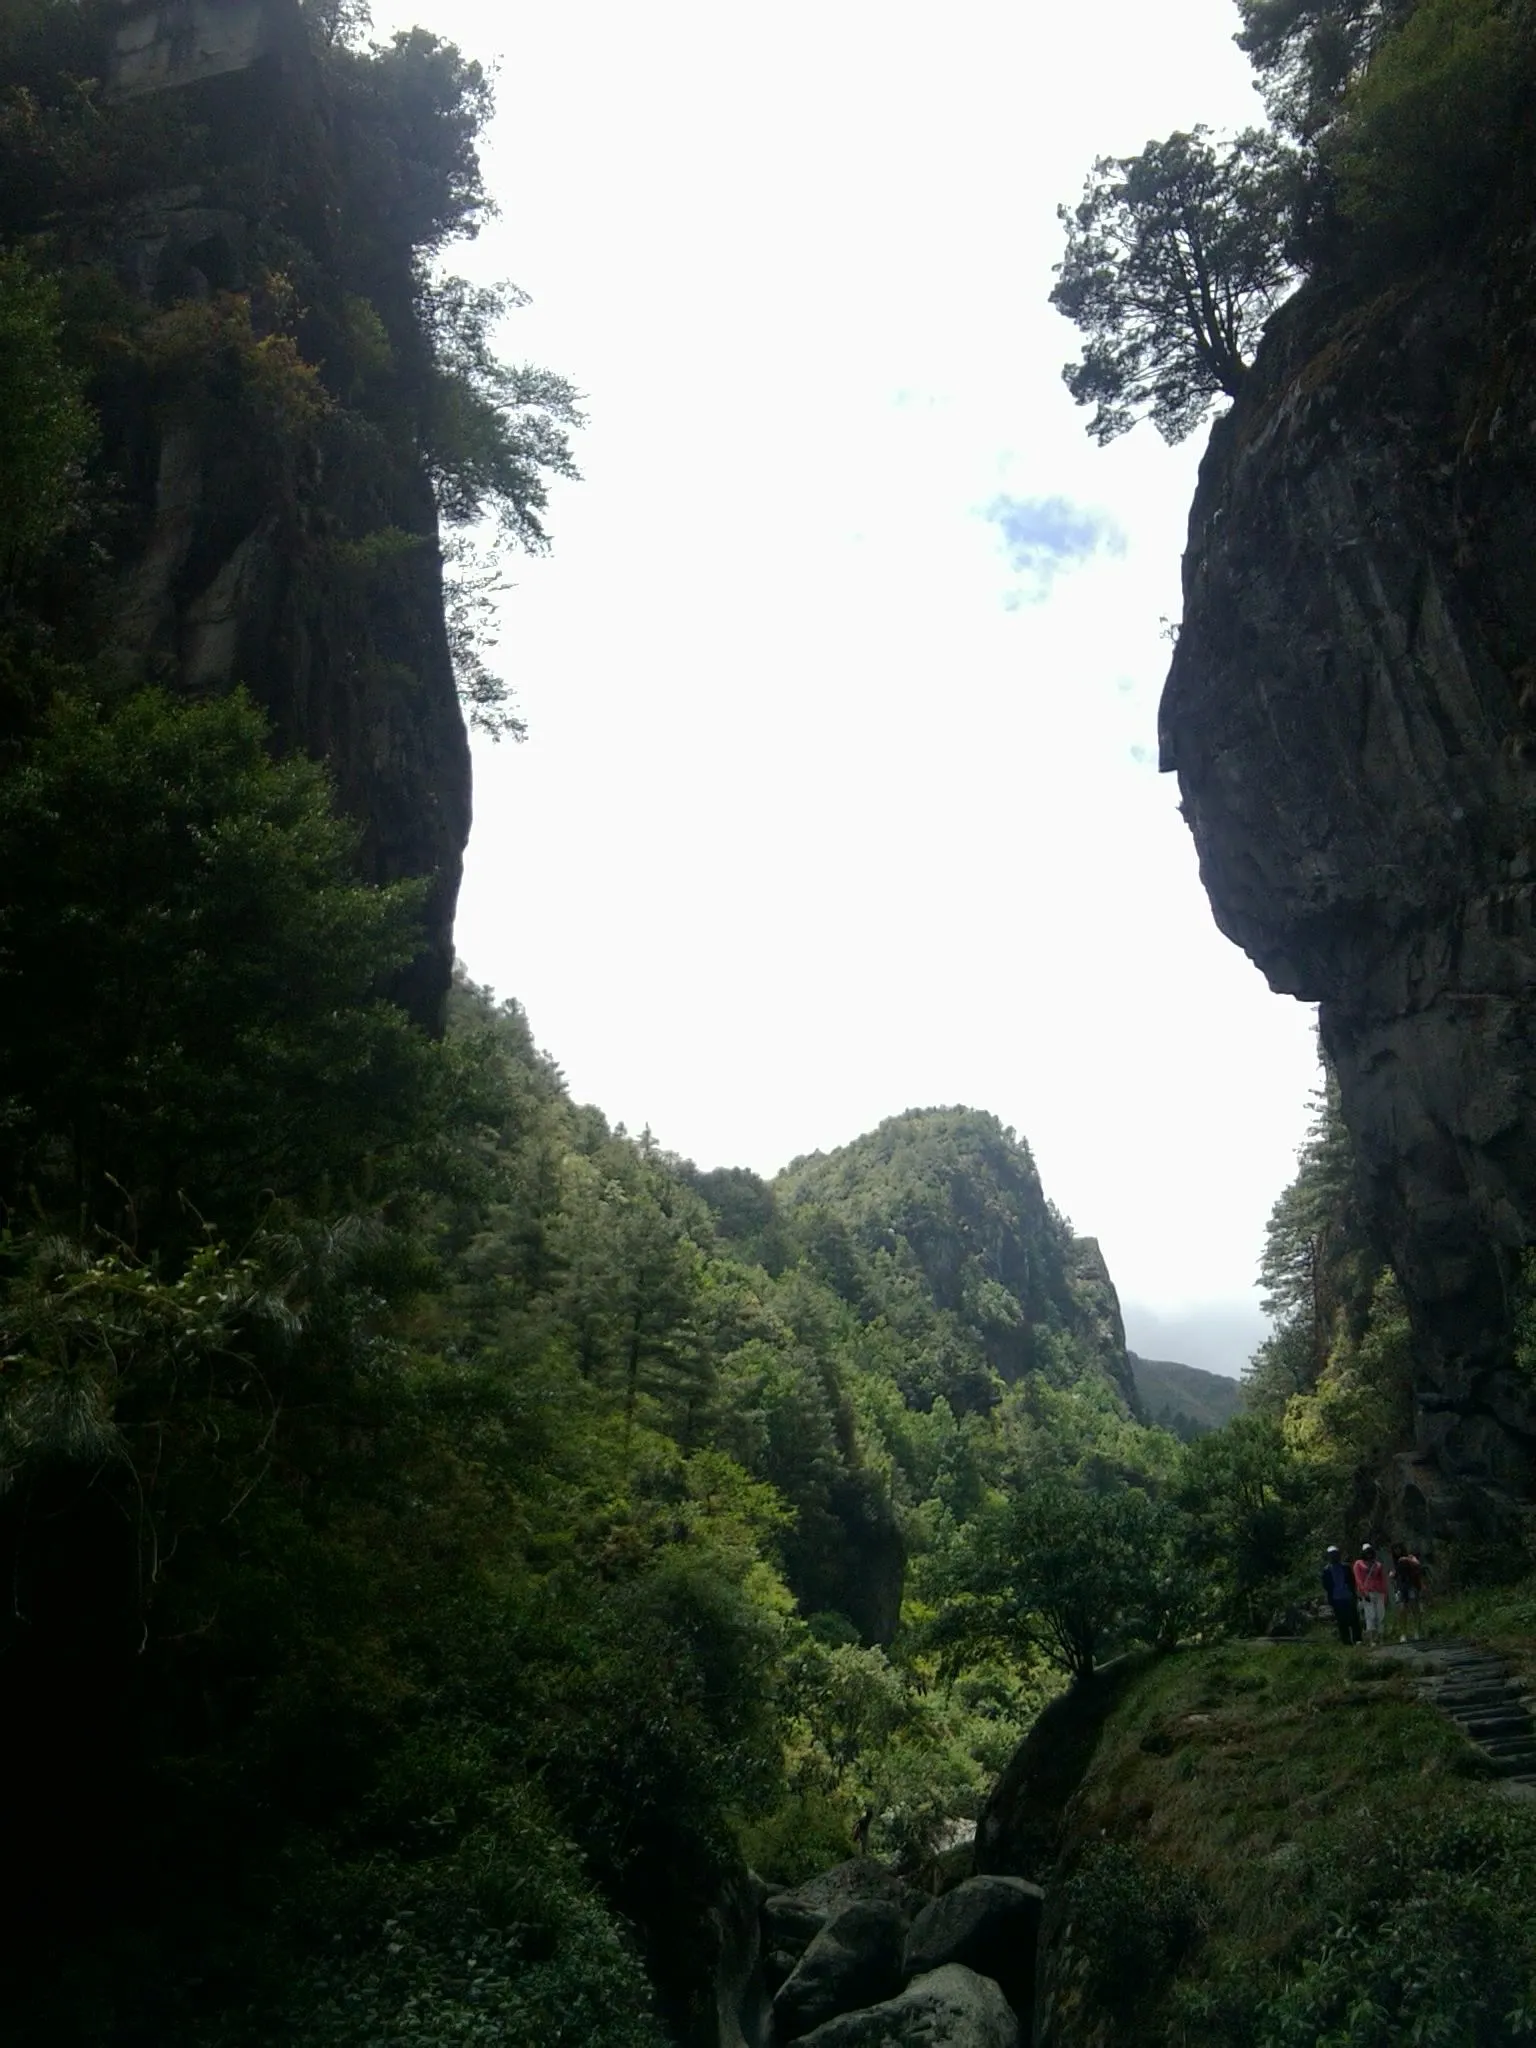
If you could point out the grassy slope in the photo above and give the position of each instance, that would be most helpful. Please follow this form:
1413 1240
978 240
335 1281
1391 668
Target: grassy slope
1279 1844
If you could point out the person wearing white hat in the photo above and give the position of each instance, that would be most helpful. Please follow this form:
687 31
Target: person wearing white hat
1339 1585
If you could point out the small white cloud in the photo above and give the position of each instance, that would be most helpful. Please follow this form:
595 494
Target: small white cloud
1043 536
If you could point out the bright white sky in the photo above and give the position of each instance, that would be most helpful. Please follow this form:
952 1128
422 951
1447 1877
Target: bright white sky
834 803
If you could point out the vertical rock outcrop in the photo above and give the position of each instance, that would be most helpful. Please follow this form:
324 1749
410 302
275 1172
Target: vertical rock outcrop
1351 713
311 572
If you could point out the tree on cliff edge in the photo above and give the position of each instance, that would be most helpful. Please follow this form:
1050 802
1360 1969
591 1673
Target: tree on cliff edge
1175 259
1308 53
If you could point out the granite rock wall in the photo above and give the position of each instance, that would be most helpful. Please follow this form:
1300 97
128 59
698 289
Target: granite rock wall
1351 714
242 569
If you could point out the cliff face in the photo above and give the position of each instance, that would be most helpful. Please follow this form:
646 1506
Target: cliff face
304 565
1351 713
1099 1322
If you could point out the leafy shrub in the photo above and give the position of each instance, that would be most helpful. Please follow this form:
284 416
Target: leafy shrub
45 425
497 1943
1133 1917
1065 1571
190 969
1434 125
1433 1941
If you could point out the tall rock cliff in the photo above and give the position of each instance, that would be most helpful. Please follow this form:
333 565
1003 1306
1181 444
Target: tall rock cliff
1351 712
239 227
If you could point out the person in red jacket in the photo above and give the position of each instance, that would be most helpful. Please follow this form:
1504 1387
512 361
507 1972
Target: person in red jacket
1371 1585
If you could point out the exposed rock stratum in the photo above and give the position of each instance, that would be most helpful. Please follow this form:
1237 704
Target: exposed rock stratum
1351 713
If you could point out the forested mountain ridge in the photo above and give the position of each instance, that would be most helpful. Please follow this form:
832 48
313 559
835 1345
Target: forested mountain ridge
944 1208
1184 1398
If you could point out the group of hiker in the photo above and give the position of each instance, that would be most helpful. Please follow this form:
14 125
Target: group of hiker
1359 1593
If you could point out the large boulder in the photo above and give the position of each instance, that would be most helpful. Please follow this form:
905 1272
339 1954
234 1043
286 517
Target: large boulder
790 1925
793 1919
864 1877
949 2008
855 1960
992 1925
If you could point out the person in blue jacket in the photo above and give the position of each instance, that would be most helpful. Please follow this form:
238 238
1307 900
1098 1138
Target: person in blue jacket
1339 1585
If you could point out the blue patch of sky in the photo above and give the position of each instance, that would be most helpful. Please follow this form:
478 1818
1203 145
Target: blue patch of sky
1043 536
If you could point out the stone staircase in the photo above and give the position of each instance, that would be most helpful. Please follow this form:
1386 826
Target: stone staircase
1472 1685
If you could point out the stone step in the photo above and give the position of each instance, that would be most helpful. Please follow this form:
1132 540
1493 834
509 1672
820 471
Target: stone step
1479 1710
1490 1725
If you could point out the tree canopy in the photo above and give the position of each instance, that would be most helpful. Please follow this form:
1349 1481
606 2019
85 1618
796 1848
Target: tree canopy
1395 123
1308 52
1064 1569
1175 259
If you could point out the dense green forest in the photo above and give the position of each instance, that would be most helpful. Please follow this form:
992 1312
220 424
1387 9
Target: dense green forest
1184 1398
447 1536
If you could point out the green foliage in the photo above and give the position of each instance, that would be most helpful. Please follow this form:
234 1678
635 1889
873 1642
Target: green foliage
1175 259
1249 1497
1135 1916
872 1740
216 353
327 380
469 1983
1398 124
45 426
1336 1375
61 146
471 585
1319 1267
195 1016
936 1224
1361 1410
1066 1572
1184 1399
414 109
1291 1856
333 22
1307 52
494 430
1433 130
1432 1939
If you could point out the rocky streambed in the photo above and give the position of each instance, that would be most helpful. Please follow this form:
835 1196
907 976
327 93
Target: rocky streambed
861 1958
